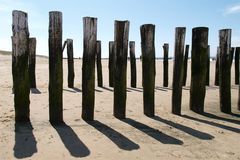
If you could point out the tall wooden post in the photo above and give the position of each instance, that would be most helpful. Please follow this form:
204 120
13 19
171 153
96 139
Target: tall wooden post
165 64
177 70
208 66
148 67
133 64
20 72
32 62
88 67
111 62
237 65
70 56
121 33
225 70
185 64
198 68
231 56
217 68
55 67
99 65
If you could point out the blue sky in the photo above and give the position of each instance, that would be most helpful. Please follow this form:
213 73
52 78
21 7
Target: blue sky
165 14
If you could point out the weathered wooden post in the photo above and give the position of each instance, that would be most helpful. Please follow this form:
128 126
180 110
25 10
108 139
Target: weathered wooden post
55 67
208 66
20 72
148 67
121 33
225 70
88 67
70 56
185 64
177 70
32 62
198 68
111 62
99 65
237 65
165 64
216 83
231 56
133 64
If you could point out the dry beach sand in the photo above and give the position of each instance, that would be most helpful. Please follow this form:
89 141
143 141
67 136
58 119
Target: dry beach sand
211 136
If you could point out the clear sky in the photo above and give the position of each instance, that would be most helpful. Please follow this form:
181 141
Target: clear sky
165 14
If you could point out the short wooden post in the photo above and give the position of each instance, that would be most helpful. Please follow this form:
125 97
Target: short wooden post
225 70
111 62
32 62
177 70
55 67
165 64
216 83
99 65
237 65
121 33
148 67
70 56
198 68
20 72
133 64
185 65
208 66
88 67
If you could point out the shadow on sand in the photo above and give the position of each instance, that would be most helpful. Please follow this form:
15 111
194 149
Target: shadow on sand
71 141
120 140
25 142
186 129
154 133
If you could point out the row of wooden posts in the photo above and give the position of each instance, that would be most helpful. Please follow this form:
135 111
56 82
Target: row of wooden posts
23 67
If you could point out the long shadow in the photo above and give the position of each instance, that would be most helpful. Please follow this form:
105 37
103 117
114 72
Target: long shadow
188 130
35 91
236 130
120 140
235 115
25 142
134 89
77 89
164 88
68 90
209 115
71 141
161 89
154 133
108 89
97 90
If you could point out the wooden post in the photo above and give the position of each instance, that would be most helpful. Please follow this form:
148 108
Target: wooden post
165 64
198 68
217 68
208 66
177 70
231 56
111 62
185 64
237 65
225 70
32 62
88 67
133 64
70 56
55 67
20 72
99 65
148 67
121 33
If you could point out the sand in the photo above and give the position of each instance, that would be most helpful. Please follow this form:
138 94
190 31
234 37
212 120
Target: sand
166 136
